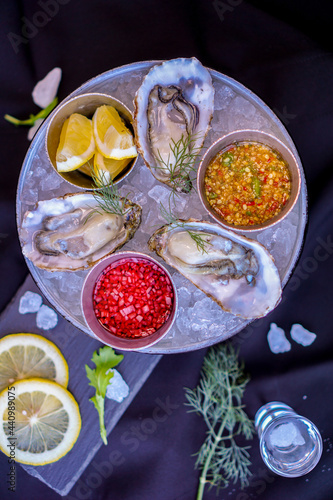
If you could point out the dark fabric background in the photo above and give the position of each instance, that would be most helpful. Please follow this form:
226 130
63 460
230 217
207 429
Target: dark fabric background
281 50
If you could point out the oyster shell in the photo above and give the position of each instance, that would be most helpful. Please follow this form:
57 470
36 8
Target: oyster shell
68 234
236 272
175 102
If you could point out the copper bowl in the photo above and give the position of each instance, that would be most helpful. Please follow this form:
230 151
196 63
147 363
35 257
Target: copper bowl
85 104
104 335
267 140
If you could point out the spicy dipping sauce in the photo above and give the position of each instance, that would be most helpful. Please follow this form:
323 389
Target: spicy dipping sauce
133 298
247 183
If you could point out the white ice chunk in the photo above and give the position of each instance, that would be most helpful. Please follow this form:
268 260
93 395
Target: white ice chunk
46 90
277 340
161 195
34 128
302 335
117 388
46 318
283 435
30 302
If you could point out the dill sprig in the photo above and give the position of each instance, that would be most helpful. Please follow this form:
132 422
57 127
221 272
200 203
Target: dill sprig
106 194
33 118
180 164
172 219
218 399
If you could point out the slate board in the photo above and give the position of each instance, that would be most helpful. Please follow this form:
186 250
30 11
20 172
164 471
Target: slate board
77 349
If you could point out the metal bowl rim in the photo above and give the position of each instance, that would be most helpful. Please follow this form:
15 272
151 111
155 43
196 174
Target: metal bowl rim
209 154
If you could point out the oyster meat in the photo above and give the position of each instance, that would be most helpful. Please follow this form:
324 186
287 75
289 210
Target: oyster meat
174 105
69 234
236 272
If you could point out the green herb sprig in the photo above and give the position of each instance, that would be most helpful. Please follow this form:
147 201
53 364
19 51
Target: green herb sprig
172 219
218 399
33 118
107 195
184 155
104 359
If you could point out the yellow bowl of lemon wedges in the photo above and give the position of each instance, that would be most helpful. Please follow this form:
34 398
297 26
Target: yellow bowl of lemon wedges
90 140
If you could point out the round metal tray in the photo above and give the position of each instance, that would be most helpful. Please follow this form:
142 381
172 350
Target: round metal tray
200 321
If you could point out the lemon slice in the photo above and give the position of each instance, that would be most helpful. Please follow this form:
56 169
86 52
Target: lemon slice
107 169
40 419
26 355
112 137
77 144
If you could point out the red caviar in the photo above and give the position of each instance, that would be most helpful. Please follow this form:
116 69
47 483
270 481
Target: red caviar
133 298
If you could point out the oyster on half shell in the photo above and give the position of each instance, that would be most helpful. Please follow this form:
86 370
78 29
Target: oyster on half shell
72 232
174 104
236 272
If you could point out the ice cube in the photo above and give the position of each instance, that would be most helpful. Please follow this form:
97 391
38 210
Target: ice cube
46 318
45 90
223 96
299 439
184 296
161 195
117 388
50 181
30 302
277 340
244 107
146 178
283 435
302 335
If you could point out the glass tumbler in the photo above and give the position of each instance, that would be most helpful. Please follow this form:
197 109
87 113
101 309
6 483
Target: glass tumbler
290 445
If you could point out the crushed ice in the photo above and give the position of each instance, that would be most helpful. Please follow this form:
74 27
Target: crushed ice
277 339
30 302
228 100
302 335
117 388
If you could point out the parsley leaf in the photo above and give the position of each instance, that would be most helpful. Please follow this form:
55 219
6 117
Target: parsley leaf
104 359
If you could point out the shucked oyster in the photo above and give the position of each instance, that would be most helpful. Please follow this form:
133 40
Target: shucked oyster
68 234
174 105
238 273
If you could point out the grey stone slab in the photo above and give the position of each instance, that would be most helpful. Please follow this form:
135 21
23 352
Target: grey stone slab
77 348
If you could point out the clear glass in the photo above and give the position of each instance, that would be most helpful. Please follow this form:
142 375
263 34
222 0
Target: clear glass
290 445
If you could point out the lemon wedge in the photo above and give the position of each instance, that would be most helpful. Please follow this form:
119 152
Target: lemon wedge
107 169
77 144
26 355
113 139
40 419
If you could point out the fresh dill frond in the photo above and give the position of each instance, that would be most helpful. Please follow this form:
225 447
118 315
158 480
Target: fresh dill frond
180 162
175 222
106 194
33 118
218 399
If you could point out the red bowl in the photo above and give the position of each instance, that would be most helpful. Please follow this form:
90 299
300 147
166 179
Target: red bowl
104 335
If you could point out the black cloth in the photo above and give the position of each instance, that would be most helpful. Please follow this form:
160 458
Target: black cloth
282 51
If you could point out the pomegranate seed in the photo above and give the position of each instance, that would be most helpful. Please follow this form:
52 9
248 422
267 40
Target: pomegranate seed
133 298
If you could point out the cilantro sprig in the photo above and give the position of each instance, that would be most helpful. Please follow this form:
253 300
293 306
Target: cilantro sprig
104 359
